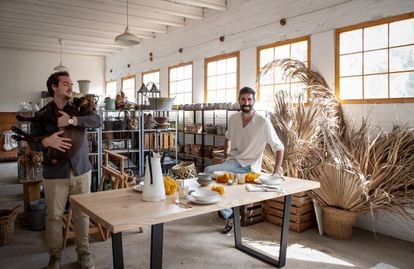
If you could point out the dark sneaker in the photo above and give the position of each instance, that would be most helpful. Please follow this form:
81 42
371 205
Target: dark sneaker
84 260
54 262
228 226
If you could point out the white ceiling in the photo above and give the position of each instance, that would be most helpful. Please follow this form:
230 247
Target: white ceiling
88 27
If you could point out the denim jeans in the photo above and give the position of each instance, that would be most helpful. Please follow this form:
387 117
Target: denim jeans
229 165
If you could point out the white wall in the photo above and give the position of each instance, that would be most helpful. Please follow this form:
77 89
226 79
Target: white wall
248 24
23 75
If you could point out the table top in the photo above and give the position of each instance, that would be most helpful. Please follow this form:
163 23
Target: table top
123 209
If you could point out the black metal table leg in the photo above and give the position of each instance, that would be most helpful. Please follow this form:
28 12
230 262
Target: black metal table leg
117 255
157 233
283 236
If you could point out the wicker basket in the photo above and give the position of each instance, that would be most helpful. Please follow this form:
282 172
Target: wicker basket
7 218
337 223
184 170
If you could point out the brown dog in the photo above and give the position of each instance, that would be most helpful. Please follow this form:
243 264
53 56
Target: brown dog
84 107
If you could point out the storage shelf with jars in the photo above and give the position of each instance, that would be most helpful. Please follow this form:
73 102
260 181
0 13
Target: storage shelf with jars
201 135
201 132
133 133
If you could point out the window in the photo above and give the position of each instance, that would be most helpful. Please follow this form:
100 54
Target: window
128 87
181 83
274 80
221 78
375 61
147 77
110 89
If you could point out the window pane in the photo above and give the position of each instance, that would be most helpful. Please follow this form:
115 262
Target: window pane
350 42
267 78
212 83
221 82
173 74
266 56
231 66
221 67
188 71
231 81
231 95
351 88
402 32
299 93
402 85
212 69
300 51
351 65
376 87
376 61
282 52
110 90
376 37
402 58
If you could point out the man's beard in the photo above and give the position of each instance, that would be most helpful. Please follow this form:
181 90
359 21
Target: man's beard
246 108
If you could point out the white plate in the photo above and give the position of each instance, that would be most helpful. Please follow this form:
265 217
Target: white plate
205 195
139 187
270 179
195 201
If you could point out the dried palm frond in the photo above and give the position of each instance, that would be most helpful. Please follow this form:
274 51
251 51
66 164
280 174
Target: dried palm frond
359 170
340 188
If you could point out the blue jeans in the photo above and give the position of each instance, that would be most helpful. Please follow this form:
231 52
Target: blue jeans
229 165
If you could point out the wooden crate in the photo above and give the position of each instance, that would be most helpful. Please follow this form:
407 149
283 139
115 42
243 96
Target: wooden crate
252 213
302 214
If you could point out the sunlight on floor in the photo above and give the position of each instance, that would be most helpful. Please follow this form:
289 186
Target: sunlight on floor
297 252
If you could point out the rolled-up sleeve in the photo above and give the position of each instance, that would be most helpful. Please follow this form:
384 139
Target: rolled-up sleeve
272 139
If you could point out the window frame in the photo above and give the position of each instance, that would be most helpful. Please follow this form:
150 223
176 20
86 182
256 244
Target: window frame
106 87
192 78
363 25
135 86
278 44
218 58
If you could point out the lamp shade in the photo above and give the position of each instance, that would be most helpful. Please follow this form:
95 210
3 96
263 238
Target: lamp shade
60 68
126 38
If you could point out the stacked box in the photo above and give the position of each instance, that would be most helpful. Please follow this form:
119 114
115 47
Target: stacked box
252 213
302 214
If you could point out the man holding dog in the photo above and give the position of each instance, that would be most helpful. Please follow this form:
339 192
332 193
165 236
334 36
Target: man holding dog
67 177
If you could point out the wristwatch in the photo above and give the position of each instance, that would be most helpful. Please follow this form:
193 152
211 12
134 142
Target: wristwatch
71 121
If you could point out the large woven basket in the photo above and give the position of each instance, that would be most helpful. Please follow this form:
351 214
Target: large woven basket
7 218
337 223
184 170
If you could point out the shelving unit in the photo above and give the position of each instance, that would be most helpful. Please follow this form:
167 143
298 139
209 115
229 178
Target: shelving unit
201 126
204 134
124 133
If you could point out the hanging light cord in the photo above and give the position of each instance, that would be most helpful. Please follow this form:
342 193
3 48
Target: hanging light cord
60 42
127 14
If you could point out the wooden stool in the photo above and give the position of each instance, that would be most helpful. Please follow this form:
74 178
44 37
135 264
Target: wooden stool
118 178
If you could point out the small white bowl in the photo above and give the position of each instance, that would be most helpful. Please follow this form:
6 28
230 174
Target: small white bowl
270 179
205 195
205 177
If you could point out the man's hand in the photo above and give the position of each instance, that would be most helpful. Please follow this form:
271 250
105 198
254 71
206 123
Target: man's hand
63 119
57 142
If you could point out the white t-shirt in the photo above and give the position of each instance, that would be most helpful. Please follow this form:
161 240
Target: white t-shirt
247 144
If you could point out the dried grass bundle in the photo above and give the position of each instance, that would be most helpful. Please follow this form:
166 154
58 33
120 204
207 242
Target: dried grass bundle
359 170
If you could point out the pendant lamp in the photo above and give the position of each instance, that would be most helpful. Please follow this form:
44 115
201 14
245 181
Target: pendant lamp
127 38
60 67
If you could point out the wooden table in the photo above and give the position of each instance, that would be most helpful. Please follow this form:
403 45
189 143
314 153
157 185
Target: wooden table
123 210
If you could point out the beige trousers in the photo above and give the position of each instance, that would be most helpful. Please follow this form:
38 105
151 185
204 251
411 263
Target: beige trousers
57 192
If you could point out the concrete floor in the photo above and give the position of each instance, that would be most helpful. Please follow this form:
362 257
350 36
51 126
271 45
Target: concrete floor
196 243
